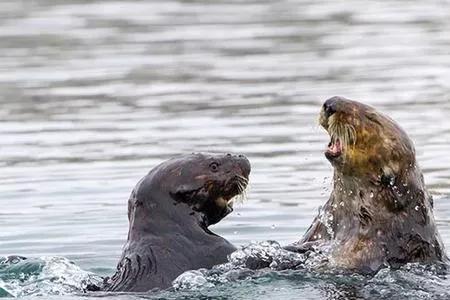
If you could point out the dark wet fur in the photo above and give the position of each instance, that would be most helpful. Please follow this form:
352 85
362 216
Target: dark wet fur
169 213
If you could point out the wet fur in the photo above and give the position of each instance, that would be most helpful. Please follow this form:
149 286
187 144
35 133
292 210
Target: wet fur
380 212
169 212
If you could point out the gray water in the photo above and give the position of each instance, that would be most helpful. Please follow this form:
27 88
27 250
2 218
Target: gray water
93 94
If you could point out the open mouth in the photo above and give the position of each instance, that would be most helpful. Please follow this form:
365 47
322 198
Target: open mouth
221 205
225 202
334 149
222 201
236 191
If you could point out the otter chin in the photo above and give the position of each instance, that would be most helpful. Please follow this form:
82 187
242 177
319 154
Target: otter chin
169 212
379 213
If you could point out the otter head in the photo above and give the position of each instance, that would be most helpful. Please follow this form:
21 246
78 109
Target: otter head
379 212
364 142
206 183
209 182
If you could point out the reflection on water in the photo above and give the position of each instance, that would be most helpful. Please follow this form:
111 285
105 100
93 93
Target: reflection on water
95 93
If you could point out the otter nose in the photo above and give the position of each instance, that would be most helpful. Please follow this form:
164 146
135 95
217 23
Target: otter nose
244 164
329 107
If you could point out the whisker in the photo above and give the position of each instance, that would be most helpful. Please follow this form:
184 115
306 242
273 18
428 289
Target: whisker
346 133
352 133
242 179
242 184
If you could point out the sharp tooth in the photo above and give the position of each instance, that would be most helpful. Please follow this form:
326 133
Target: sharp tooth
221 202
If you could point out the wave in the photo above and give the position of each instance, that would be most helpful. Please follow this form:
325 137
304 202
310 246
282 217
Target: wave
44 276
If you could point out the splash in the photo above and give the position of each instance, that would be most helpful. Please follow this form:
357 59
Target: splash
20 276
249 262
267 266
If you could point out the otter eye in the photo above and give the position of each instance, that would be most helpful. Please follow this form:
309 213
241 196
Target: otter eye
214 167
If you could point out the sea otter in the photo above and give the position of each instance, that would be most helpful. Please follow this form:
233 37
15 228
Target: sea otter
379 212
169 212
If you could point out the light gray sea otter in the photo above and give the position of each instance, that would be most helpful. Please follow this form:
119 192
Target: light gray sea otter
379 212
169 212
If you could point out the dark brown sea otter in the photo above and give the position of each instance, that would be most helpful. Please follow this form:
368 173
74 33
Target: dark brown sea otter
169 212
380 212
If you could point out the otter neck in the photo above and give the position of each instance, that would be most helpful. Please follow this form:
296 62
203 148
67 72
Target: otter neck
354 203
359 202
164 218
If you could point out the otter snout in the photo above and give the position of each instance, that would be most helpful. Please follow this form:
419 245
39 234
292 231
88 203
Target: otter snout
244 164
329 107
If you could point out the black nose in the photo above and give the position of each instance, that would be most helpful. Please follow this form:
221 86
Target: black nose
244 164
329 107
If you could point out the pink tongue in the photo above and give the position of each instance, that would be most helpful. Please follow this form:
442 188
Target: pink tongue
336 147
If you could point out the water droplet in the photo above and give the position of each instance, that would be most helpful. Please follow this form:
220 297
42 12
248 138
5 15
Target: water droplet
341 203
371 195
416 208
272 227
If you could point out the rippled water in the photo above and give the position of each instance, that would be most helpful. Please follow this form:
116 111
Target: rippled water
93 94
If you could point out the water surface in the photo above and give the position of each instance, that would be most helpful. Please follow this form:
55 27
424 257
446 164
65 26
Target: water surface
93 94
